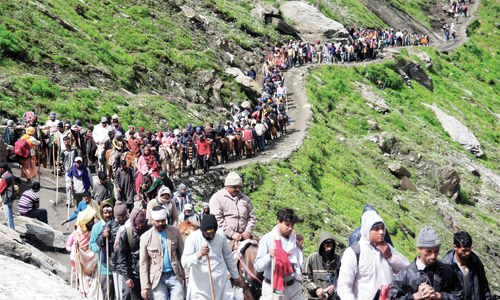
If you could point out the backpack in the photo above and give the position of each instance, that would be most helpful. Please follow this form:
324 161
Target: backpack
281 108
357 251
22 148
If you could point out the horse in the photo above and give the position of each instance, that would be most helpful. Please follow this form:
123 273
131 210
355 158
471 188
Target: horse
212 157
223 154
282 125
239 146
186 228
246 269
274 133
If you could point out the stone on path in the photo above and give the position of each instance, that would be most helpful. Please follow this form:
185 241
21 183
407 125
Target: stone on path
40 232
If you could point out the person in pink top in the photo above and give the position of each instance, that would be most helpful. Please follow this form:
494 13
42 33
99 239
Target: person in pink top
172 138
247 138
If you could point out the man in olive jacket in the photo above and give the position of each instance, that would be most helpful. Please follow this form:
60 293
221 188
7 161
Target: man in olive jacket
160 255
322 270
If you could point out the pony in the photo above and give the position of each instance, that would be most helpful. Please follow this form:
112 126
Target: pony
186 228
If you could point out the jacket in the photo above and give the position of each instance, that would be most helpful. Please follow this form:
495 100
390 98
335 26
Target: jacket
101 242
320 274
407 281
233 215
362 279
128 256
151 256
67 158
480 289
7 187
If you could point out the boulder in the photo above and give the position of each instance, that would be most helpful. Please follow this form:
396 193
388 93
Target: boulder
398 170
14 249
249 85
44 262
265 12
415 72
222 43
28 282
457 131
283 27
188 12
40 232
386 141
235 72
373 100
449 184
206 79
405 184
310 24
423 56
318 79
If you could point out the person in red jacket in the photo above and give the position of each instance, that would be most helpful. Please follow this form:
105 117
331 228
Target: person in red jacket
203 153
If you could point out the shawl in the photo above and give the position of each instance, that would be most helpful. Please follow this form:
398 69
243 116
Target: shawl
151 161
73 172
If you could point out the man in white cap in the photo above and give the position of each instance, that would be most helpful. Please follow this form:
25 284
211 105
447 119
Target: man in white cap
233 210
426 277
205 210
189 215
164 199
160 253
100 136
370 263
79 180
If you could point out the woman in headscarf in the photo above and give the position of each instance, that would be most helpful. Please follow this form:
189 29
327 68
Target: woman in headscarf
147 164
28 164
82 258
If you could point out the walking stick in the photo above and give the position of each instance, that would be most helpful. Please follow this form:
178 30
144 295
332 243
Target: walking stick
69 205
210 276
107 263
71 278
99 274
39 162
57 180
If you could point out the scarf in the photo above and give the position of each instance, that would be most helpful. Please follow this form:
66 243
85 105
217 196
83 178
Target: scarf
151 161
84 175
138 214
287 261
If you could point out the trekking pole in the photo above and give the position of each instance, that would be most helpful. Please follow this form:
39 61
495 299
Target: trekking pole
107 264
69 205
39 162
210 276
99 274
71 278
57 181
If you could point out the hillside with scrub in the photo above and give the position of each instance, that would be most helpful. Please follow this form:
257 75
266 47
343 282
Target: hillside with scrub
343 163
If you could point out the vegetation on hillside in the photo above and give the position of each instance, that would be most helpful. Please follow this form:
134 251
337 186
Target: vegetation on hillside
339 168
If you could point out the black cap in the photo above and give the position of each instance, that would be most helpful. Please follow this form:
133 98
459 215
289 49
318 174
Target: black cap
4 165
35 186
208 223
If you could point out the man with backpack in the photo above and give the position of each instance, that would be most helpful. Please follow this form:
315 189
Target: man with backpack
8 193
370 263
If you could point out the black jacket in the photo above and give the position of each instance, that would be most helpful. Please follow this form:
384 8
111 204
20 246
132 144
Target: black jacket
407 281
480 289
128 256
101 241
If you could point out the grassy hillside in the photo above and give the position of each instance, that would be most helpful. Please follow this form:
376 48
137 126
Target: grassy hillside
339 168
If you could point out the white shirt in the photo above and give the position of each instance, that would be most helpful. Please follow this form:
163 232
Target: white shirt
100 134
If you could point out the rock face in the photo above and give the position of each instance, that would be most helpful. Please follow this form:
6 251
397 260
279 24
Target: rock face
249 85
386 141
283 27
10 247
398 170
415 72
265 12
310 24
407 185
40 232
458 132
423 56
28 282
373 100
449 185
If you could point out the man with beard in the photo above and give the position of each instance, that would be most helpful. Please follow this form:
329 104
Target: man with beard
211 241
160 254
125 185
128 254
426 277
103 190
468 267
102 232
164 200
206 210
322 269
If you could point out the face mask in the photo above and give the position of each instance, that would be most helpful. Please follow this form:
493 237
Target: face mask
182 194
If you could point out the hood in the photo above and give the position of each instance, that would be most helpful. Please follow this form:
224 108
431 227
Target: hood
188 128
367 220
322 238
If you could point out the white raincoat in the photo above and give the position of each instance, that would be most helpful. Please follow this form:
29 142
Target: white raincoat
374 270
221 260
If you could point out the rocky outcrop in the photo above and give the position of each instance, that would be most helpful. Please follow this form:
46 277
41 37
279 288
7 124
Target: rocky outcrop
405 184
373 100
265 12
449 184
415 72
457 131
28 282
283 27
249 85
39 232
386 142
423 56
10 247
398 170
310 24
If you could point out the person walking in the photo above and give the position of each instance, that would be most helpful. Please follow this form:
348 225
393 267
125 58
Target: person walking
87 201
66 160
78 180
103 190
279 247
189 215
233 210
468 267
160 253
125 185
426 277
28 164
164 200
209 243
29 204
8 193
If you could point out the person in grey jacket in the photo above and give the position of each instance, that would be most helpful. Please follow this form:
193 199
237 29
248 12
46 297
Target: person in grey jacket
7 192
426 277
66 159
468 267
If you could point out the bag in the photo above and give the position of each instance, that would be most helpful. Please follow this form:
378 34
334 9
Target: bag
22 148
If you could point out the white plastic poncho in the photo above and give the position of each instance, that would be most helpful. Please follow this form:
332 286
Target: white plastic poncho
221 261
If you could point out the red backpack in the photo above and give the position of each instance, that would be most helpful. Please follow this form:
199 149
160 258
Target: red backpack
22 148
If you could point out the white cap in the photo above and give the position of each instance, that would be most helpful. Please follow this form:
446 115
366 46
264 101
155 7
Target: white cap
78 158
188 206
